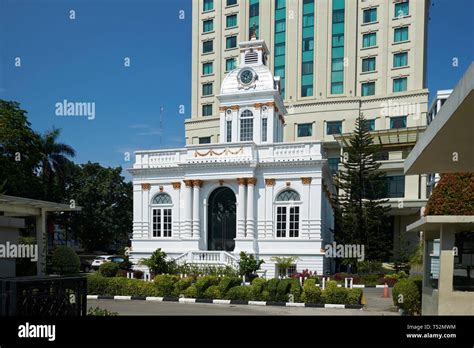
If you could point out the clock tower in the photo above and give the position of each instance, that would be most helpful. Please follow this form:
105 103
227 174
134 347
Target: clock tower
251 107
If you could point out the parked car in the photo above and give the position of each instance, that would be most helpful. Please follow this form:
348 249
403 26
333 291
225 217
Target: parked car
99 260
86 266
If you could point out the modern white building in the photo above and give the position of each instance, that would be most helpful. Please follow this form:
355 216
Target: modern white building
251 191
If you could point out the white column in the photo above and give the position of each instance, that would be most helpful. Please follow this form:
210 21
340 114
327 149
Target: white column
423 186
187 215
42 242
196 203
250 208
306 216
241 208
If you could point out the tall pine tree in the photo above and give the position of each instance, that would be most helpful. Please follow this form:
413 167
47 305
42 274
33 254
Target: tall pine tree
361 213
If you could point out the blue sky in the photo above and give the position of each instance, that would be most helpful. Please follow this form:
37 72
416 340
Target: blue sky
83 60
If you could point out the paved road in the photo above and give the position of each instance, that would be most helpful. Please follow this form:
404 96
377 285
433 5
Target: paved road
174 308
376 303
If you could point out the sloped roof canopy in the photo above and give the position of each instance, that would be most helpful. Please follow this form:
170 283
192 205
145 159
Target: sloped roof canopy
447 145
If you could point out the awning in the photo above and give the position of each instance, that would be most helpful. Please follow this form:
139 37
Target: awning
19 206
447 146
386 137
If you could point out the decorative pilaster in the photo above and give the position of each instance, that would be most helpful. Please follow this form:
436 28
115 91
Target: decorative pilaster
306 181
197 184
250 231
176 185
241 198
187 216
146 187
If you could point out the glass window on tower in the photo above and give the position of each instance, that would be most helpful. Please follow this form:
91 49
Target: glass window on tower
402 9
280 42
231 42
398 122
400 34
305 130
370 15
337 52
334 127
229 64
307 77
369 40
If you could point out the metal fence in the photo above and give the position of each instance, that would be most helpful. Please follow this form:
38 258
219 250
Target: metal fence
43 296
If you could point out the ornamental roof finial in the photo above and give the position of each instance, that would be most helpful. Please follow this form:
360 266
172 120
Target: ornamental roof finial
253 33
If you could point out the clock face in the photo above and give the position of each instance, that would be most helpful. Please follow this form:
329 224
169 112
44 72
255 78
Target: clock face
246 76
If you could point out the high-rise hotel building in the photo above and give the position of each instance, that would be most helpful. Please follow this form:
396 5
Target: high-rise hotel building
335 59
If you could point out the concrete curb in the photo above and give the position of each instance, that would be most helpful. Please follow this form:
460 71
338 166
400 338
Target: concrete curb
216 301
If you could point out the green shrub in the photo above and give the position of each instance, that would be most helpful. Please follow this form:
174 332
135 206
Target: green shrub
191 292
240 292
331 284
257 288
119 286
248 264
165 284
158 264
212 292
271 288
407 296
353 296
283 290
311 292
334 295
264 296
296 290
369 279
181 285
203 283
65 261
229 282
108 269
418 280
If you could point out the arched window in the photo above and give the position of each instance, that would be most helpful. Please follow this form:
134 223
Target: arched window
246 126
162 198
287 214
288 195
161 215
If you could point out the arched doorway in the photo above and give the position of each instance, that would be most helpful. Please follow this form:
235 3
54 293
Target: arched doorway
221 221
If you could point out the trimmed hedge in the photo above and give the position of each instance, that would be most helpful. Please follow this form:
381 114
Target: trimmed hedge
283 289
109 269
257 289
203 283
229 282
213 292
65 261
296 290
406 295
240 292
165 284
181 285
119 286
260 290
311 292
191 292
271 289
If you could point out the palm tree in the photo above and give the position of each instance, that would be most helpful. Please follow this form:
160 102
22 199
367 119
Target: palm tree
54 159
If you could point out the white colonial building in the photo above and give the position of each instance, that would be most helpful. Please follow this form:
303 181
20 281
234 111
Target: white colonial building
250 192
